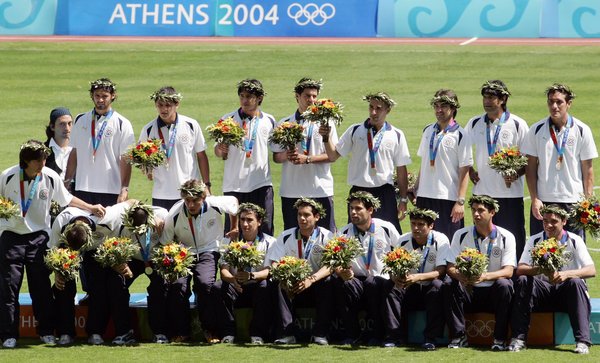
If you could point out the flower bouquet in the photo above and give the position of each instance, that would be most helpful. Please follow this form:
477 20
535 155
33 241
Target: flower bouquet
340 251
226 132
472 264
289 271
508 162
548 255
172 261
399 262
8 208
241 255
115 252
63 261
585 215
324 111
146 155
287 134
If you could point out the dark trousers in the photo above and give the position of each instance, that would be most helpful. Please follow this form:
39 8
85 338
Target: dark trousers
169 306
444 209
290 214
106 199
512 217
536 294
389 208
164 203
536 226
494 299
263 197
353 295
20 253
255 294
397 302
319 295
65 308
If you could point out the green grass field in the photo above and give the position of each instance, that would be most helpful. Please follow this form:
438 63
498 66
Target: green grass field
36 77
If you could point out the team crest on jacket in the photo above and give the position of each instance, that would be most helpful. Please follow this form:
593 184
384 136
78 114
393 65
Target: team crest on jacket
316 250
431 257
568 255
448 142
379 244
496 252
505 135
571 140
184 139
388 145
109 132
97 235
211 222
44 194
264 131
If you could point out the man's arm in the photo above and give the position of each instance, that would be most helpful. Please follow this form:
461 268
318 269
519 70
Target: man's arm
458 211
332 153
125 168
532 179
204 168
587 173
71 168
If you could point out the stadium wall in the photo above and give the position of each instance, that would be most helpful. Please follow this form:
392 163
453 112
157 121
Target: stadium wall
304 18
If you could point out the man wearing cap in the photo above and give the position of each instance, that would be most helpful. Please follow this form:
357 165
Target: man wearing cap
560 150
247 172
492 291
364 282
99 138
377 150
183 143
446 157
24 237
421 287
563 290
58 132
496 129
306 171
197 222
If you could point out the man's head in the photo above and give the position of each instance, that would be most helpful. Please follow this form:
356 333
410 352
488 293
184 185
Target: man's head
166 100
554 219
380 105
33 155
251 94
306 91
139 218
362 205
559 98
60 123
421 222
309 212
77 234
250 217
193 193
495 95
483 208
103 92
445 104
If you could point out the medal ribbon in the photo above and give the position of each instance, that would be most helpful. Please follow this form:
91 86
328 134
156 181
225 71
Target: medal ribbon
563 237
492 238
374 148
426 252
146 247
172 136
488 125
561 150
453 125
309 243
369 256
250 135
306 143
26 203
97 138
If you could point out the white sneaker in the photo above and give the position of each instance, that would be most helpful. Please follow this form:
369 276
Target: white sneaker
257 340
516 345
290 339
228 339
95 339
582 348
65 339
48 339
125 339
10 343
160 339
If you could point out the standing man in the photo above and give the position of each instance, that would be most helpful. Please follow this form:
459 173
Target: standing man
497 128
364 282
493 290
247 172
306 170
58 132
421 287
446 157
197 222
560 149
307 242
99 138
378 149
563 290
24 240
183 143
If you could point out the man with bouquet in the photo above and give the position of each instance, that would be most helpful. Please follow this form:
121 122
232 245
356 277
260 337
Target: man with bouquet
377 150
247 172
559 285
86 232
196 222
306 170
490 133
28 190
99 138
421 286
183 143
361 285
481 261
560 149
304 242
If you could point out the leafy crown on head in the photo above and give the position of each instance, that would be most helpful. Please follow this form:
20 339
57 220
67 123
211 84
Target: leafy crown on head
554 209
193 188
562 88
366 198
489 202
495 87
380 96
317 207
251 207
252 86
103 83
422 213
308 83
167 95
129 220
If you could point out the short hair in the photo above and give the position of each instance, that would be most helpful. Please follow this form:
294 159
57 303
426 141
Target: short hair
556 210
32 150
490 203
138 218
251 208
446 97
317 208
104 84
166 94
427 215
366 198
305 83
498 89
253 86
381 97
193 188
562 88
77 235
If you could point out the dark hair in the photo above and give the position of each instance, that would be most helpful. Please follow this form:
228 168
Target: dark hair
77 236
55 114
32 150
309 83
252 86
104 84
498 89
562 88
447 97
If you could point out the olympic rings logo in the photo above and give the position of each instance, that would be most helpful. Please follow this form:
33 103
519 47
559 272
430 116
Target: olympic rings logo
480 328
311 13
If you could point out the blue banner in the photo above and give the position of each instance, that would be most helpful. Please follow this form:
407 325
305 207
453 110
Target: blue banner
35 17
333 18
